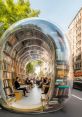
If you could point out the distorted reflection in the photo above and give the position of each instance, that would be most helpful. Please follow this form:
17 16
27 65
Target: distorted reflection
34 67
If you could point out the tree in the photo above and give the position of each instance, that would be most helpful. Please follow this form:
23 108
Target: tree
12 11
30 67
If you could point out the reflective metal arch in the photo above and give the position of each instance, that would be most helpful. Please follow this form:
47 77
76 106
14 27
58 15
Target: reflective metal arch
29 48
33 36
58 61
27 55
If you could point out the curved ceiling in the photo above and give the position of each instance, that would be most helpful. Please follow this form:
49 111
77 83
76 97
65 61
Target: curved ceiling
29 44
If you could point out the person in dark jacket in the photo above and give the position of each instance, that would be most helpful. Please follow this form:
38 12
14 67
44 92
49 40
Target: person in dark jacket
47 85
17 86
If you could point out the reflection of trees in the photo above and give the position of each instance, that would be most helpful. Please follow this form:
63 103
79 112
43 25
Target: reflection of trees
31 66
11 12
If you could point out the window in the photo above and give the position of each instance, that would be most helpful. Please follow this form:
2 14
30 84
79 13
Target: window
78 57
78 66
78 43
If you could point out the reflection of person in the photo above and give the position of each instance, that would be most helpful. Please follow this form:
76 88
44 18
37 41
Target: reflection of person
17 86
28 82
41 81
38 81
46 85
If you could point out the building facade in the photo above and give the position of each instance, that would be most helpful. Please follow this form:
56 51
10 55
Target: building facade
75 39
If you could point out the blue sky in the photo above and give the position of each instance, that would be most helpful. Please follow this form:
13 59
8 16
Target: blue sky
60 11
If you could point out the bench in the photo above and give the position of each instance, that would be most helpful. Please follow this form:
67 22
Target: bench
18 94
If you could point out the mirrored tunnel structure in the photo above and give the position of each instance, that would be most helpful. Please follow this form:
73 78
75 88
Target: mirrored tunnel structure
29 40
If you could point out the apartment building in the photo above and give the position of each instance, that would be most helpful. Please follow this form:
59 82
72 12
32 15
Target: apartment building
75 39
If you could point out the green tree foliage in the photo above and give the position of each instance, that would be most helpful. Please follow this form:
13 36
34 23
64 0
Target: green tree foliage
30 66
14 10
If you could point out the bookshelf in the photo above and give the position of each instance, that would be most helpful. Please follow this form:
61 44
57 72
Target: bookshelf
0 65
7 76
11 68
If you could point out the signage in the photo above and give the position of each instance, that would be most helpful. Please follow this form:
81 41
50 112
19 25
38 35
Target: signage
77 74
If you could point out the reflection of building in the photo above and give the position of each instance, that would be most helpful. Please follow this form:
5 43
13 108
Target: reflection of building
23 44
62 69
75 38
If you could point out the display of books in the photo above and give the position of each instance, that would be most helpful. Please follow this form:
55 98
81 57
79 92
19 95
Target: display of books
8 91
6 83
4 75
8 75
7 47
12 40
0 65
5 66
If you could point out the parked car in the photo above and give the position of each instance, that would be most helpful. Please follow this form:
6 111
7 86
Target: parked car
77 84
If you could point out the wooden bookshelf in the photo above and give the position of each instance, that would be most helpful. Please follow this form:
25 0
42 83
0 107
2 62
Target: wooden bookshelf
11 69
7 76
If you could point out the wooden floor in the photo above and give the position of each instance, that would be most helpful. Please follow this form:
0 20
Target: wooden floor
33 99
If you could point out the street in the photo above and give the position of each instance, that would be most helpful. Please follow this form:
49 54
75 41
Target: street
73 108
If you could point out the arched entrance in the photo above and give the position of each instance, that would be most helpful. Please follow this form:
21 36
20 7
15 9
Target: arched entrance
27 41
